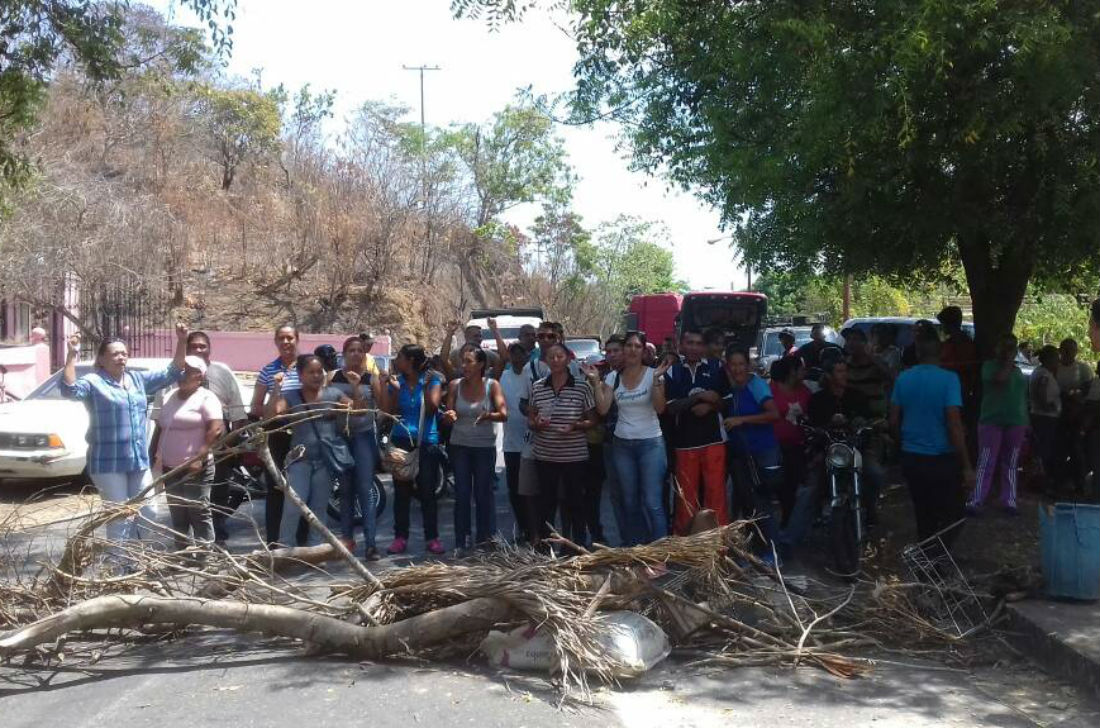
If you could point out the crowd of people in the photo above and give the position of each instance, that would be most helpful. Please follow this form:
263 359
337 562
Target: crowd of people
665 433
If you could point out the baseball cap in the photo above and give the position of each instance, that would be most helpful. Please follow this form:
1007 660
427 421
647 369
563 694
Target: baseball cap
195 362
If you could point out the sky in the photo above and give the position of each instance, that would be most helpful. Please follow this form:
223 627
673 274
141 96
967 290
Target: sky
358 48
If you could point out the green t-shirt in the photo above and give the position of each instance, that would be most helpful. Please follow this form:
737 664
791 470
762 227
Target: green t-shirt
1003 404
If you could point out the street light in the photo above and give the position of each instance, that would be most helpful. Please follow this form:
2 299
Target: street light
748 266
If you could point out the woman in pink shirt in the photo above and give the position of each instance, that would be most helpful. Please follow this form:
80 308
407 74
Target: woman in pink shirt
190 422
792 397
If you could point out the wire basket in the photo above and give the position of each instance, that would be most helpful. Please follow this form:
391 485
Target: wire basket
948 600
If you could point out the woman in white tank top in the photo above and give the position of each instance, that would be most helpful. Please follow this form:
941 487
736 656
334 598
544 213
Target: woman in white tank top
638 454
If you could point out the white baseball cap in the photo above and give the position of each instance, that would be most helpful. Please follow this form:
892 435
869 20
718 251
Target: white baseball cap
195 362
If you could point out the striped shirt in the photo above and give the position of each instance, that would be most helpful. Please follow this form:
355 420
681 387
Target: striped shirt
118 416
562 408
290 375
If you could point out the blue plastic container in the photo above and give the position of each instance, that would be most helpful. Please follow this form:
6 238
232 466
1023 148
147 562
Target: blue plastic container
1069 543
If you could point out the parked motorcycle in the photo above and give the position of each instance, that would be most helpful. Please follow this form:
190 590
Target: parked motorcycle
842 446
334 504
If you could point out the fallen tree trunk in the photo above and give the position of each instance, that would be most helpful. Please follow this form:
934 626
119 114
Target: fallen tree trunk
329 634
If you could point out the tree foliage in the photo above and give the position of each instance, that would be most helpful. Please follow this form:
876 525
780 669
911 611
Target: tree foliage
585 278
861 137
245 124
38 35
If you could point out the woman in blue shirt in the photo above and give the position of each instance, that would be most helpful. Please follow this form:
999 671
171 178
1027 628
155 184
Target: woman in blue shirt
414 398
118 421
750 414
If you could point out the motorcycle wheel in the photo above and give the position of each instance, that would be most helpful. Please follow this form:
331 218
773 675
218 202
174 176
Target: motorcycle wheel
843 541
334 504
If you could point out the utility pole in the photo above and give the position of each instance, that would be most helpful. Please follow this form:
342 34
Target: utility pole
424 157
421 69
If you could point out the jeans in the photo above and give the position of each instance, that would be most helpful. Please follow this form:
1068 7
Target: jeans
475 469
641 466
615 492
360 482
189 506
935 484
311 480
512 462
119 488
562 482
756 477
427 478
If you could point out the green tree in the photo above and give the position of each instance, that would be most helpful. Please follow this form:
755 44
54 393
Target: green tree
859 137
514 159
244 124
36 35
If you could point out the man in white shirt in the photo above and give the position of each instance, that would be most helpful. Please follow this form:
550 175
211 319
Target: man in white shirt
515 381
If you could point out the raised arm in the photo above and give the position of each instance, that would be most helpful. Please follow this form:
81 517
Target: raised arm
72 350
445 350
502 349
181 346
276 403
657 393
600 390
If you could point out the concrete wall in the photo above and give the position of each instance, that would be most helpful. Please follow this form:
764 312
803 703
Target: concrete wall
27 367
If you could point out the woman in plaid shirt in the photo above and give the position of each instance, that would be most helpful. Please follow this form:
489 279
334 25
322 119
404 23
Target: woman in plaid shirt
117 404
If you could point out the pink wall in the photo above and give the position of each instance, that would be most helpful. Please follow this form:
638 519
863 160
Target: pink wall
248 351
27 367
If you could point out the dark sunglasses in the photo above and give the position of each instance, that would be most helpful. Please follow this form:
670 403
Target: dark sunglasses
547 336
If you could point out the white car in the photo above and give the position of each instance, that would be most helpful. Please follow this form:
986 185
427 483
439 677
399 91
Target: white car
44 435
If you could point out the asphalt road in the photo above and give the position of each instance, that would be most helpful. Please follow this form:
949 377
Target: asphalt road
219 678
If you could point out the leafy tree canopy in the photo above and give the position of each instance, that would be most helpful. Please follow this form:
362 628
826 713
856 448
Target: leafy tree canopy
880 136
37 35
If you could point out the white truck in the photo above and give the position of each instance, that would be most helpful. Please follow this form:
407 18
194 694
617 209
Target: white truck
509 322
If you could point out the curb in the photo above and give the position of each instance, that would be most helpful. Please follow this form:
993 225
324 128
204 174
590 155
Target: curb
1052 650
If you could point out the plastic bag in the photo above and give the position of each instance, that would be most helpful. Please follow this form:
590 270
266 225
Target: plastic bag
634 642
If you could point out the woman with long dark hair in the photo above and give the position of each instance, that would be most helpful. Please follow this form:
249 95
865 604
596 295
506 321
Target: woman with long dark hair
474 403
359 431
639 455
117 404
312 470
414 397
